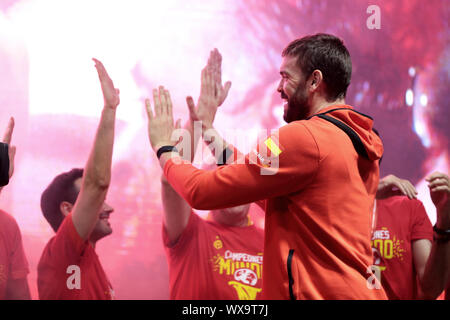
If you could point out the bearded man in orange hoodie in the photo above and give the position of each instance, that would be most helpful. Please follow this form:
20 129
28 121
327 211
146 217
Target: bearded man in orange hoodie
318 176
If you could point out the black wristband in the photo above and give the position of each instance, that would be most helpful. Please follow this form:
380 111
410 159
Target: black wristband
441 232
164 149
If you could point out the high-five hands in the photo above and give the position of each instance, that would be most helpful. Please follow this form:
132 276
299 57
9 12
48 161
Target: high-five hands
160 122
215 66
212 93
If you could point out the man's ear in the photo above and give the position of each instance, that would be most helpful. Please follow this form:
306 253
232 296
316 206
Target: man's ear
65 207
315 79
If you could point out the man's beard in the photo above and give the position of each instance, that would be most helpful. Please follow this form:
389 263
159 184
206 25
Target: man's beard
297 106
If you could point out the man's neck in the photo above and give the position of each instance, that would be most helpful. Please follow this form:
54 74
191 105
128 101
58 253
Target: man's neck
217 217
323 104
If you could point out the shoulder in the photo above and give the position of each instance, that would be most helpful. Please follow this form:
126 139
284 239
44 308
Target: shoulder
191 231
297 128
7 219
402 207
401 201
8 225
296 136
315 132
66 244
67 230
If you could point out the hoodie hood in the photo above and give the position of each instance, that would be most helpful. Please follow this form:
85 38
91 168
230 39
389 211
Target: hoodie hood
360 124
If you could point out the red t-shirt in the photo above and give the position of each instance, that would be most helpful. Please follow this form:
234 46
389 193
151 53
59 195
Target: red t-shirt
13 263
214 262
400 221
67 258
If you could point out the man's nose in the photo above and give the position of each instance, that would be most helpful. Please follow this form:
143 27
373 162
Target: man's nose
280 86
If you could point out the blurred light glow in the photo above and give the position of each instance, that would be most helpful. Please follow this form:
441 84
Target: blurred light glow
423 99
409 97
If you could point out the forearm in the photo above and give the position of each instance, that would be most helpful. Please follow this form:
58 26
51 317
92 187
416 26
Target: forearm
172 201
176 211
196 187
98 168
443 218
195 132
227 186
96 177
437 270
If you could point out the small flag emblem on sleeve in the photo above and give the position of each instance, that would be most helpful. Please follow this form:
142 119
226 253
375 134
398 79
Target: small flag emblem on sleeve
272 147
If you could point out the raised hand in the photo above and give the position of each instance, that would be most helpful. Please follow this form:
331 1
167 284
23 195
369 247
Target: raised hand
439 185
110 94
207 104
392 185
7 137
212 92
160 123
215 64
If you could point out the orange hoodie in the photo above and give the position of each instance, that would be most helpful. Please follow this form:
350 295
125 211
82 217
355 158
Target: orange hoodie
320 195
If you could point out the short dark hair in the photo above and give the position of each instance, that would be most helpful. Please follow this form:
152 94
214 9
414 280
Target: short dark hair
328 54
62 188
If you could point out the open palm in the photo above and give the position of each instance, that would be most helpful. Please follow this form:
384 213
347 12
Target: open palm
110 94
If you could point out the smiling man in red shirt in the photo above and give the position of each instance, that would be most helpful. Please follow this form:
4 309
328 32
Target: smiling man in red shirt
319 196
74 205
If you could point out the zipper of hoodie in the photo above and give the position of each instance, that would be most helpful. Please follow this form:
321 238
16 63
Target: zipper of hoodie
289 271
